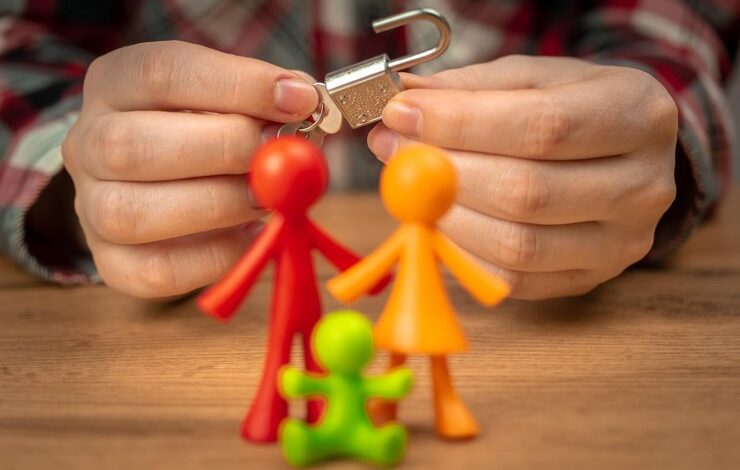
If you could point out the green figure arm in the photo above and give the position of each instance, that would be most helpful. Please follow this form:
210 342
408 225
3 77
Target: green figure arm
487 288
298 384
391 386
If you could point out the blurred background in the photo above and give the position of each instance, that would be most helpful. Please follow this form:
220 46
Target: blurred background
735 106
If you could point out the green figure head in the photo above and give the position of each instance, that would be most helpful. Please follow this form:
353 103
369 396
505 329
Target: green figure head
343 342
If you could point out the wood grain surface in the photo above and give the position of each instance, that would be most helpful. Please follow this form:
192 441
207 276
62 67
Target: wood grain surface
642 373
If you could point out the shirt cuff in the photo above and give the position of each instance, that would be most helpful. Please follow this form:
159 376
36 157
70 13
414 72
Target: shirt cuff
33 159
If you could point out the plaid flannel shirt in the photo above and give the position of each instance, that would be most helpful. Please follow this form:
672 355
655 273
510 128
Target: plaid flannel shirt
46 45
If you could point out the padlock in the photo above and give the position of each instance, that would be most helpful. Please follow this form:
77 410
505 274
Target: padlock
362 90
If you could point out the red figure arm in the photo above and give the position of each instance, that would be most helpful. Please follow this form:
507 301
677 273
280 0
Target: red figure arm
223 298
340 256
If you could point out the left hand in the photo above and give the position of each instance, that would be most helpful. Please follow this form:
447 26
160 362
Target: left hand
565 167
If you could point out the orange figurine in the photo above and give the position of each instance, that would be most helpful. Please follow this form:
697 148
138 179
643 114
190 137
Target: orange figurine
417 187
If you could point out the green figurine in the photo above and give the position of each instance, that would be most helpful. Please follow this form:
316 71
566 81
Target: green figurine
343 343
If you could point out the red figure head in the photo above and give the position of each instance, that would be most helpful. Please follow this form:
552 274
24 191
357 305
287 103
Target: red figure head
288 175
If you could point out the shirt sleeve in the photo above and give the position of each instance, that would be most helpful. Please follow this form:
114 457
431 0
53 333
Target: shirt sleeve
40 94
688 47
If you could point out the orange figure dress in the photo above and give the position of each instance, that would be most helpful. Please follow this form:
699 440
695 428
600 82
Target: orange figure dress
419 318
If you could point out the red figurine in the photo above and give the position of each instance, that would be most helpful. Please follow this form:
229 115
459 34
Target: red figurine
287 175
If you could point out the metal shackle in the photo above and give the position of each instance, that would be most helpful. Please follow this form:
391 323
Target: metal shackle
421 14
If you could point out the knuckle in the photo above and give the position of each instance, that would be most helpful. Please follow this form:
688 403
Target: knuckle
156 65
79 210
463 121
517 283
69 148
112 272
519 248
547 126
663 193
156 274
657 190
658 105
218 211
522 191
114 216
663 112
149 277
637 248
109 273
111 140
528 245
529 286
93 74
233 153
665 106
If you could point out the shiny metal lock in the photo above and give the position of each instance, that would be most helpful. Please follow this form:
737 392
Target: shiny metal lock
362 90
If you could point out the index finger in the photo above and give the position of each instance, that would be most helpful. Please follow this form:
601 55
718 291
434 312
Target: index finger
605 115
174 75
512 72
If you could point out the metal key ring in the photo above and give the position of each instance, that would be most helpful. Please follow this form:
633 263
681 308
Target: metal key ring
316 120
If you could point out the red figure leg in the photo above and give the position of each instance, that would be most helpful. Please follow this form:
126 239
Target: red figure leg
314 408
268 408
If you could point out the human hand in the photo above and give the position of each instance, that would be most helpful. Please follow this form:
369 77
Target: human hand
158 157
565 167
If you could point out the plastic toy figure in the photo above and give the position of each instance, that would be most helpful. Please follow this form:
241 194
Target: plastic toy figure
343 342
287 175
417 187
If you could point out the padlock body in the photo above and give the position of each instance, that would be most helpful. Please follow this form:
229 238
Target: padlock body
362 90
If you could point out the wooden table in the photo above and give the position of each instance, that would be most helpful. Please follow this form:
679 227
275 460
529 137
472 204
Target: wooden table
642 373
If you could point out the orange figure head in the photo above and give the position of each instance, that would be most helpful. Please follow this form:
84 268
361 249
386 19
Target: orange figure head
288 175
418 184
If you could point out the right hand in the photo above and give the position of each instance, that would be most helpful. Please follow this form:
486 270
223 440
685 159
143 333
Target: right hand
158 157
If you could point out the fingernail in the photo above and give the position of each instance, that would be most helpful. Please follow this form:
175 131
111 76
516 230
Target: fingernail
383 142
402 118
295 96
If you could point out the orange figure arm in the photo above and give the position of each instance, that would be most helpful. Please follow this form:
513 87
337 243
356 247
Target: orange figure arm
223 298
365 274
487 288
338 255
